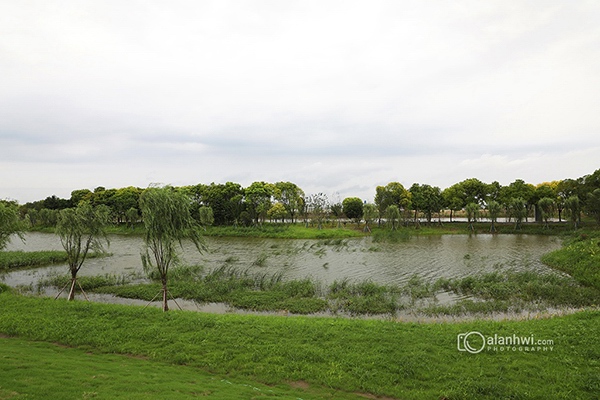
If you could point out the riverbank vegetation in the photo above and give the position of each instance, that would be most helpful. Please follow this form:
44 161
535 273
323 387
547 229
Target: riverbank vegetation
10 260
372 357
21 259
510 292
237 208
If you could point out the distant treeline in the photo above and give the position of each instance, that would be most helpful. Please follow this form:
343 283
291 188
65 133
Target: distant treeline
232 204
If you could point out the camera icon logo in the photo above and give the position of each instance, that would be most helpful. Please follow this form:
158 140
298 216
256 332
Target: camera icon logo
472 342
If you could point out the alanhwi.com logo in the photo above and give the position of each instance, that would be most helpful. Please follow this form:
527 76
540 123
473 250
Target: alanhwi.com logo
475 342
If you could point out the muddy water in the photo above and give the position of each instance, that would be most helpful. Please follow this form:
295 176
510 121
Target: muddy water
430 257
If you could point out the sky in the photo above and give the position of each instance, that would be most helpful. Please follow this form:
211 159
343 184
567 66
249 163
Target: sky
336 96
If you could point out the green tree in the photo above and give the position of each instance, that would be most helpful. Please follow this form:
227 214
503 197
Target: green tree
81 229
290 196
564 189
543 190
593 204
77 196
168 222
452 199
55 203
546 206
518 210
337 211
472 210
427 199
132 216
493 208
353 208
123 200
392 215
391 194
258 200
369 215
226 201
277 212
10 223
573 206
472 190
318 206
521 190
206 216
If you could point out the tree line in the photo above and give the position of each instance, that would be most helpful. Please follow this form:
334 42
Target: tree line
232 204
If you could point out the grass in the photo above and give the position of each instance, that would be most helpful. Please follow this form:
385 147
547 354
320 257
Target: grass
28 259
21 259
506 291
39 370
237 288
281 231
579 257
402 360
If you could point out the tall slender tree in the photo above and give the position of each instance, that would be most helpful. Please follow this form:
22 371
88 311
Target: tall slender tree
493 208
546 206
81 229
472 210
168 222
573 205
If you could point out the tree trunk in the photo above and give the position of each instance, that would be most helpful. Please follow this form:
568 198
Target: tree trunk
72 291
165 298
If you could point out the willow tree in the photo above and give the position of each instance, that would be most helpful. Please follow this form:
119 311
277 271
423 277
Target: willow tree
546 206
369 214
10 223
392 214
493 208
573 205
81 229
168 222
472 211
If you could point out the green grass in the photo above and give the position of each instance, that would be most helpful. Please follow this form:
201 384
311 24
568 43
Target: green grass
402 360
579 257
28 259
22 259
237 288
39 370
287 231
506 291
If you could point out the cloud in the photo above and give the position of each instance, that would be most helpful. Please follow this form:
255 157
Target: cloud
333 95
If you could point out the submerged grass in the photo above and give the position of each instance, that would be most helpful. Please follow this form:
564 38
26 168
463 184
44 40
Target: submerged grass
378 358
28 259
506 291
21 259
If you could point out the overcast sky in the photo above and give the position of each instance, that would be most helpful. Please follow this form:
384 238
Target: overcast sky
335 96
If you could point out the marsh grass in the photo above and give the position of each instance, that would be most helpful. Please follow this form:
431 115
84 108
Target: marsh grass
279 231
28 259
506 291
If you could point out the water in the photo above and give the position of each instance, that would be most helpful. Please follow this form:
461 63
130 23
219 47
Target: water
430 257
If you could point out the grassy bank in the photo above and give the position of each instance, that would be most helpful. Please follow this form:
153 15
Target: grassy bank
367 356
39 370
579 257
